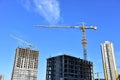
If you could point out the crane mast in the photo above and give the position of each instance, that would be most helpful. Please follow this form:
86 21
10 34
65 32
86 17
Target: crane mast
84 41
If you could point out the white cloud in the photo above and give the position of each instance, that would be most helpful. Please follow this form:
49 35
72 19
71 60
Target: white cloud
49 9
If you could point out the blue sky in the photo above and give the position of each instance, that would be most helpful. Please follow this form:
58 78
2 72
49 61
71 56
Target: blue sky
19 17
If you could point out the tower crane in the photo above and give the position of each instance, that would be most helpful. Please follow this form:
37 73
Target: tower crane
21 40
97 73
83 29
84 41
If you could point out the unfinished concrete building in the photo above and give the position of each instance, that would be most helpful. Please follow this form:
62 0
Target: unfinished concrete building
65 67
25 64
109 61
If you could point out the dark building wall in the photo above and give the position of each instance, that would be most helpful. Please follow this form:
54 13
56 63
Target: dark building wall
65 67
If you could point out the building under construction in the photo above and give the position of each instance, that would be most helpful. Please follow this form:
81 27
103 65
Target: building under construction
65 67
25 64
109 62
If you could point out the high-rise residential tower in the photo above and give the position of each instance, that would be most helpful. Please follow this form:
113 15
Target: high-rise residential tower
1 77
65 67
109 62
25 64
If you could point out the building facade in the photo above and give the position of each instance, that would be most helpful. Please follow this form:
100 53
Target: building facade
1 77
109 63
65 67
25 64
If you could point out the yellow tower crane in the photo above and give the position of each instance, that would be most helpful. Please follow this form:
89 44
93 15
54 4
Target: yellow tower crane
23 41
83 29
84 41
